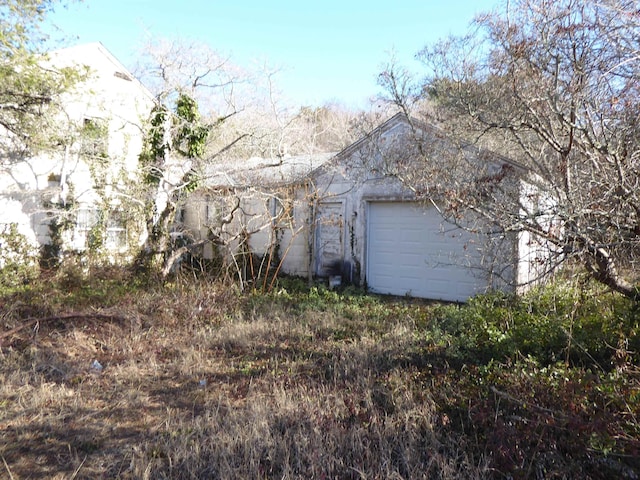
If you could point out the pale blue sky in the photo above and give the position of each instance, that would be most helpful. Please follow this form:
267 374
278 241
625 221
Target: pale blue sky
329 50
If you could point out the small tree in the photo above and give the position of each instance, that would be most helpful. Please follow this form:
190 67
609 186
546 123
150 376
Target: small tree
554 86
175 139
29 87
30 90
195 124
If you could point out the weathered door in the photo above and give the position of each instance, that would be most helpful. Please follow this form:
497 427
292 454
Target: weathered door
329 239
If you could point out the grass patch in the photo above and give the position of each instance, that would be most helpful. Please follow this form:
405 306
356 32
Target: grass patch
199 381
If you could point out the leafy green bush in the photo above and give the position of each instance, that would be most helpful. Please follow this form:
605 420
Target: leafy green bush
553 323
581 325
18 258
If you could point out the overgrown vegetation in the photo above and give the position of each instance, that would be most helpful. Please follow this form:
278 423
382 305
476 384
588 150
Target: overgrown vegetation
200 381
18 257
552 85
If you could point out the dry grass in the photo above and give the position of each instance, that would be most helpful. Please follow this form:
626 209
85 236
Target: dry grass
199 381
198 384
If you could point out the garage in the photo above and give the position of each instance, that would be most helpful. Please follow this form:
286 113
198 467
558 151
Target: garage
412 251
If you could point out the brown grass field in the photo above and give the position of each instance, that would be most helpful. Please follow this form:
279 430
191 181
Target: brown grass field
199 381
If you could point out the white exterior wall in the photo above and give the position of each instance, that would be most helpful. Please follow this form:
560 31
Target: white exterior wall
109 95
257 217
535 254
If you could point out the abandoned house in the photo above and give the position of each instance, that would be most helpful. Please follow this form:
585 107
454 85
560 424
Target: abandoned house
353 218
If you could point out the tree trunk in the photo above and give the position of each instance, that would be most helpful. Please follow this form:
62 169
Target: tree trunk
151 257
603 268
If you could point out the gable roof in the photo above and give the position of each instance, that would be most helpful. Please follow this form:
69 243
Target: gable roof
386 126
86 55
423 130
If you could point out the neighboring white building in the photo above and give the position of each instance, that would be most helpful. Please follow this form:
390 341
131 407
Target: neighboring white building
101 135
349 216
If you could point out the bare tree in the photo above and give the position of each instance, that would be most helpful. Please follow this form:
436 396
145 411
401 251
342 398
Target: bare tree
328 128
209 111
177 135
554 86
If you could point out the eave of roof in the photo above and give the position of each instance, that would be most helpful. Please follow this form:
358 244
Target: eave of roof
258 171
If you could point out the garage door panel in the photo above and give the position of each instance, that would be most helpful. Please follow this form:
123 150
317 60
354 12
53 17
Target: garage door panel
440 287
412 251
412 260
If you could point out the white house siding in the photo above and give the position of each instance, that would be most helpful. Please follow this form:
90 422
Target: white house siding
21 189
19 211
275 231
109 95
261 218
275 209
535 253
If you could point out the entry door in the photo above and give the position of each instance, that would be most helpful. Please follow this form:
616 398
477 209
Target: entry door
329 239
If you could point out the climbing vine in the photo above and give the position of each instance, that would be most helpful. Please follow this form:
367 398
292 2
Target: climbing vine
155 146
62 221
175 139
191 136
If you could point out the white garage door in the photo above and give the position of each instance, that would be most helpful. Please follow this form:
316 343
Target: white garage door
412 251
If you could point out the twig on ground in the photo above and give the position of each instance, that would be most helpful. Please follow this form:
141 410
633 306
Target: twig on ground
29 322
506 396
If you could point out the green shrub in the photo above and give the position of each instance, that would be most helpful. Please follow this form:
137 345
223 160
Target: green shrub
18 258
559 322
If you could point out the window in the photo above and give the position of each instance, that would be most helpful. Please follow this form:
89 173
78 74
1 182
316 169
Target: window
95 136
207 209
213 210
116 235
122 75
280 209
114 230
86 219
